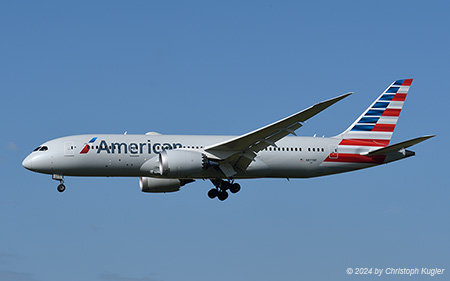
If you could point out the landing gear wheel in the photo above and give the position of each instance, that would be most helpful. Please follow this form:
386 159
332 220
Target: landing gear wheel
61 187
221 187
224 185
213 193
235 187
222 195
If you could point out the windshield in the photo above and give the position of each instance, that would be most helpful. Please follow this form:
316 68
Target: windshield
41 148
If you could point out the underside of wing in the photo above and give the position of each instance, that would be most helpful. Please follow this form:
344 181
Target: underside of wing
238 153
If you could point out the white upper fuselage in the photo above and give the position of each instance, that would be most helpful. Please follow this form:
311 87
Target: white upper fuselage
123 155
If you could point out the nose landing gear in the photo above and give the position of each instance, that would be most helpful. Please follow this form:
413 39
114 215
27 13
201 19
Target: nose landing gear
61 187
221 187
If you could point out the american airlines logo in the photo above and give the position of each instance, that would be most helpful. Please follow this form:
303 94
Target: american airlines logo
129 148
87 147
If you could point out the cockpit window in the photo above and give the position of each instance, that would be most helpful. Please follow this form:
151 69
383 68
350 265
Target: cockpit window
37 148
43 148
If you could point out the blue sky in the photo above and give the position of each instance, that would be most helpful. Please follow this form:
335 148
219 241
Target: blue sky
206 67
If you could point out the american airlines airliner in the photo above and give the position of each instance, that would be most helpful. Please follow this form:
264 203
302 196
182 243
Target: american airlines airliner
165 163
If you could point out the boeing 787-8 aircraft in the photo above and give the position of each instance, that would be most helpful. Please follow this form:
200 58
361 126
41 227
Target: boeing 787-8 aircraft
164 163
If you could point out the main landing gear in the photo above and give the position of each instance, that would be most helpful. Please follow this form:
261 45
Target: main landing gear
221 187
61 187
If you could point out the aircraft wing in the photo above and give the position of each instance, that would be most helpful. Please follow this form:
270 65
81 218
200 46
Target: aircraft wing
237 153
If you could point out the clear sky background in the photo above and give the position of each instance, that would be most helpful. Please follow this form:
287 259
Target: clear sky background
228 67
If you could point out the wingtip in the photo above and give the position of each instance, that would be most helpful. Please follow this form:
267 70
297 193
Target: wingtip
335 99
345 95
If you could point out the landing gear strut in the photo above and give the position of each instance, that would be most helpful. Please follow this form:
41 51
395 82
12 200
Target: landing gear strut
61 187
221 187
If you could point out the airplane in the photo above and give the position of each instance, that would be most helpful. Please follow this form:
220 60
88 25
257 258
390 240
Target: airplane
165 163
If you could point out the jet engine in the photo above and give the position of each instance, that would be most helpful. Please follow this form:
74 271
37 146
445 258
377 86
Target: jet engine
155 185
182 163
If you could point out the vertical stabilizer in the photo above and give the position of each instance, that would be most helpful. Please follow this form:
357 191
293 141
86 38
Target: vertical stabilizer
376 125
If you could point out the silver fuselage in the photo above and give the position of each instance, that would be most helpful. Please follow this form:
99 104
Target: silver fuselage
125 155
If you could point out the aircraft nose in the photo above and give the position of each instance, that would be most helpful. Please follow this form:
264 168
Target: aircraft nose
28 163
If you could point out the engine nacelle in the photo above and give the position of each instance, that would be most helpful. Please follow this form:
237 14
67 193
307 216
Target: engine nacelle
182 163
155 185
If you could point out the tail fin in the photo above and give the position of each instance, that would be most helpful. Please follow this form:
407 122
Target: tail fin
376 125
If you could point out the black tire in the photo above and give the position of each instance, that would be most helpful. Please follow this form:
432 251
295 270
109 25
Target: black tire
213 193
61 188
224 185
235 188
223 195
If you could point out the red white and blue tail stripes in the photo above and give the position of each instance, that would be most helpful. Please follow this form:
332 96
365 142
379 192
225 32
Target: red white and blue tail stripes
374 128
376 125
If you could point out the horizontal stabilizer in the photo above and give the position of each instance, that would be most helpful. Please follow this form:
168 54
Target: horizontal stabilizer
397 146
